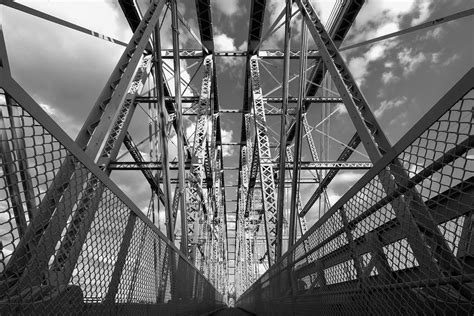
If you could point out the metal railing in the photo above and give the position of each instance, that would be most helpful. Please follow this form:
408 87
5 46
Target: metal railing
404 249
59 255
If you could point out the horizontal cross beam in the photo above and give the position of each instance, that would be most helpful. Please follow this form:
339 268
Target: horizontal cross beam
305 165
264 54
192 99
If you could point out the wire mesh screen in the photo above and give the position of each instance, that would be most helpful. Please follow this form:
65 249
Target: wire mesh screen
399 242
71 242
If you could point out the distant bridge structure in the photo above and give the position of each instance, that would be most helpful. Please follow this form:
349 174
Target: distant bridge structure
399 241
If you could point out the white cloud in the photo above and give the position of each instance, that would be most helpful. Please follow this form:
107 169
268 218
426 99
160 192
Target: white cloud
226 136
389 77
359 65
375 52
341 108
275 7
423 9
228 7
68 123
450 60
400 120
323 8
347 177
243 46
385 27
389 104
89 14
333 197
435 57
381 17
436 33
441 58
410 61
48 109
223 42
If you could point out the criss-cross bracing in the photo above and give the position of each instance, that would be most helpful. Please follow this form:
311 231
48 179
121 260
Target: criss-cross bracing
249 223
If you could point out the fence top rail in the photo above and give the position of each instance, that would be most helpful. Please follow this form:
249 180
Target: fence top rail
458 91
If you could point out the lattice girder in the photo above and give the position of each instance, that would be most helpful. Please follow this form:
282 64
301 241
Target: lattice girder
197 193
264 161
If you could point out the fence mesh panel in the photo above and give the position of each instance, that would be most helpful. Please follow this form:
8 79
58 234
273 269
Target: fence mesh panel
71 243
399 242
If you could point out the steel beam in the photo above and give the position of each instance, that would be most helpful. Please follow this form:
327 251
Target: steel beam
18 147
346 153
298 131
141 165
284 109
121 260
196 202
338 29
263 153
134 16
242 200
9 169
203 11
20 7
304 165
163 137
263 54
257 12
181 190
418 27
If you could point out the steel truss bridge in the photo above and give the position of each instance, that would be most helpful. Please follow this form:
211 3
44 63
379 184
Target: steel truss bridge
400 241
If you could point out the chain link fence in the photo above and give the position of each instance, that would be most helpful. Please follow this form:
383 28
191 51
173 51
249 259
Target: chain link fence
400 242
71 242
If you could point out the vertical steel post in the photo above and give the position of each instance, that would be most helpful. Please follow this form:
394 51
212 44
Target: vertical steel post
160 97
297 156
284 107
179 123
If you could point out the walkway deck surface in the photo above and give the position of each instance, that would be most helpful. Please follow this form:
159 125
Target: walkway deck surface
231 312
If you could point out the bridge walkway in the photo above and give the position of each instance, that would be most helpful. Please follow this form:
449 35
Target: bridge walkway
235 311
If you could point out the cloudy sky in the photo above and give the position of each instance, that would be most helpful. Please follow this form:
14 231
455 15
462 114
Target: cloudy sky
65 70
